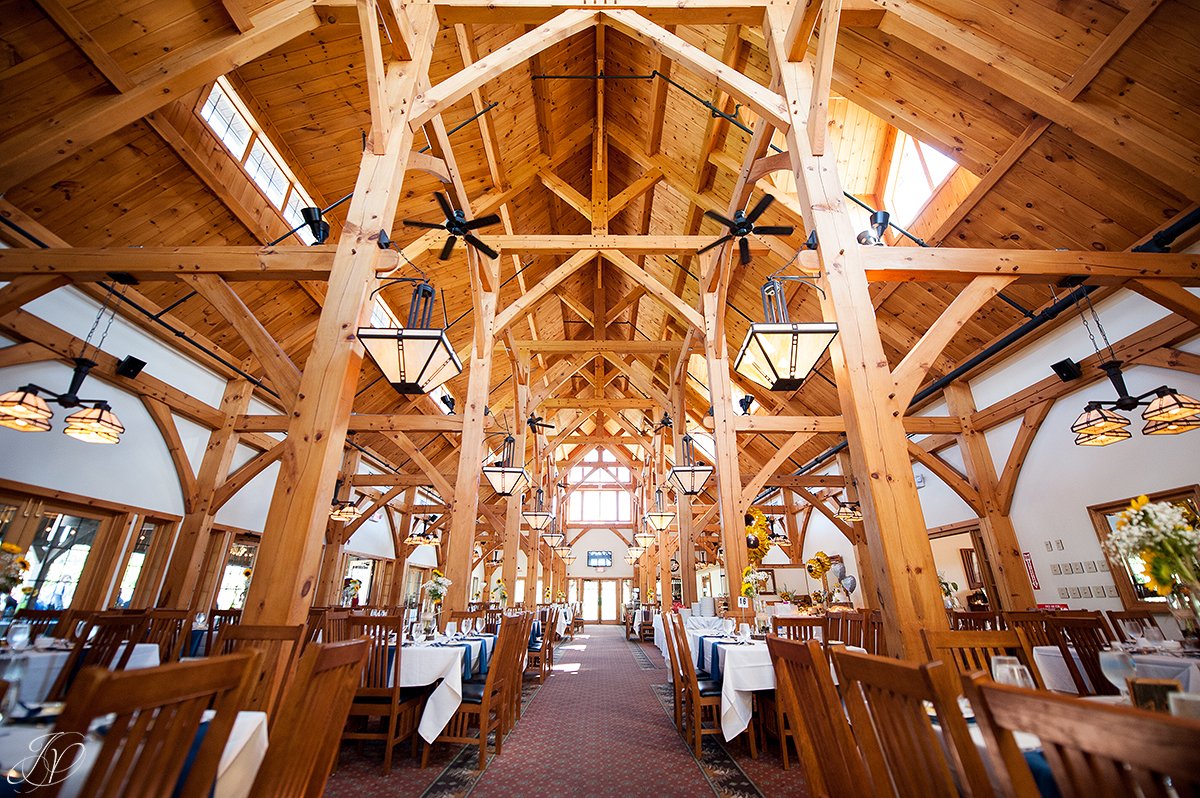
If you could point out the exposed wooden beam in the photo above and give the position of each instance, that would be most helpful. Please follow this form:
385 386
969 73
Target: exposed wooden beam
955 264
781 456
161 415
598 404
567 193
1168 358
526 302
1139 11
26 289
818 107
368 18
244 474
1030 424
637 188
666 296
948 474
1171 295
74 30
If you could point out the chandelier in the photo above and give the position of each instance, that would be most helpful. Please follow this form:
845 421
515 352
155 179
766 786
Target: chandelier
690 476
658 518
779 354
1168 412
344 511
540 517
421 534
505 478
415 358
850 512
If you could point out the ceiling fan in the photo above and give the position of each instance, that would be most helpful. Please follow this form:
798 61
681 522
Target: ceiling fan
742 225
458 226
536 423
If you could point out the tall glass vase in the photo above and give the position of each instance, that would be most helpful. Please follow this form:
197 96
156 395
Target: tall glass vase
1184 602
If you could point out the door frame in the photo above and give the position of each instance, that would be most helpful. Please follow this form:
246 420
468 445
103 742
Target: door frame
616 580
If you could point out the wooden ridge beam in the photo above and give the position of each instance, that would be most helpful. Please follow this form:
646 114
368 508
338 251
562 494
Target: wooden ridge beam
54 138
169 263
955 264
361 422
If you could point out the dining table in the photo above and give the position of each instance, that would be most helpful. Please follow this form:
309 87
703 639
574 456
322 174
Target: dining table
443 664
1182 666
692 623
240 759
36 669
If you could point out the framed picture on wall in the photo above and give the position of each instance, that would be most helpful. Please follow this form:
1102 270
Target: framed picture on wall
971 568
768 588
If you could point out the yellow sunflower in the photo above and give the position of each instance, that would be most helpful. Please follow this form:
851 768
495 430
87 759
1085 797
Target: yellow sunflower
11 548
757 543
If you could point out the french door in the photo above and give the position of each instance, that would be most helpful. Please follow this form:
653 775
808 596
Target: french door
599 599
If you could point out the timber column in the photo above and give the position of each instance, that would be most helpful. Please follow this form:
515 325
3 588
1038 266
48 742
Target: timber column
512 518
285 576
905 579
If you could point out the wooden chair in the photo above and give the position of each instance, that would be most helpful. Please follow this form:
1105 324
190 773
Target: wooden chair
873 639
468 618
978 621
577 619
852 628
492 618
970 651
216 620
645 629
703 696
485 705
40 621
314 625
816 722
905 754
336 626
164 628
1033 623
801 628
1128 622
280 646
669 621
512 660
1086 637
158 714
378 694
631 621
540 654
108 643
297 765
1094 750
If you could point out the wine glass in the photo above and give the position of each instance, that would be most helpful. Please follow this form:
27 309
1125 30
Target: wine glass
727 627
19 636
1117 666
198 622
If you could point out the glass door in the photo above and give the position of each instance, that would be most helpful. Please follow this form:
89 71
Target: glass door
591 600
235 577
61 544
608 601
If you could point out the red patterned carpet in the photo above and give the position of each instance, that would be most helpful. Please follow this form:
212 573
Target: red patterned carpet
596 728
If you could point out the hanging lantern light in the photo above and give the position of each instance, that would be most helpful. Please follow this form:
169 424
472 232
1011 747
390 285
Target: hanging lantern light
1170 405
690 476
416 358
1102 438
496 558
25 410
645 539
561 550
1169 412
96 424
637 551
850 512
777 535
1096 420
539 517
423 534
344 511
629 558
569 559
553 536
1171 427
658 518
505 478
779 354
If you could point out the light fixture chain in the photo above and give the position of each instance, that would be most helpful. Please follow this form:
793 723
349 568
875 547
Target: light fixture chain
107 327
1099 326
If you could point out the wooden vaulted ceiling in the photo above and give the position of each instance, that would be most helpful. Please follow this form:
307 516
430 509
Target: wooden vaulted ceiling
1075 124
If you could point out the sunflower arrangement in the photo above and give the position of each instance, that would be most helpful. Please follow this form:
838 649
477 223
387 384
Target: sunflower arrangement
499 592
437 586
13 566
1164 536
757 542
752 581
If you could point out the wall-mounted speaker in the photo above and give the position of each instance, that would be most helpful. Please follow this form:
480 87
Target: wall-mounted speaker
130 367
1067 370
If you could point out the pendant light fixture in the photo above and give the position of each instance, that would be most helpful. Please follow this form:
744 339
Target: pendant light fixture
850 512
344 511
569 559
423 534
1168 412
415 358
552 535
688 475
779 354
539 517
659 518
637 551
561 550
645 538
24 409
504 477
496 558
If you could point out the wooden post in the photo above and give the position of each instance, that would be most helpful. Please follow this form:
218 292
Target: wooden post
285 578
187 559
999 537
905 579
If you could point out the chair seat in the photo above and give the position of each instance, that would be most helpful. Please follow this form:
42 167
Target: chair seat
473 692
709 687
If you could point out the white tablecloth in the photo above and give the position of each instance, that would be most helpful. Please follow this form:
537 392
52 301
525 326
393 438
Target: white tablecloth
699 624
423 664
1053 667
243 754
41 668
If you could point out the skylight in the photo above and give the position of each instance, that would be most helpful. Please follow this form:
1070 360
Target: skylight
230 119
916 172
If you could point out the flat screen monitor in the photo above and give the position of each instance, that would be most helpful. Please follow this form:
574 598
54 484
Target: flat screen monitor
599 559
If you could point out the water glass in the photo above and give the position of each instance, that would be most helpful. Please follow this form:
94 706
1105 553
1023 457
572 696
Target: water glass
199 620
19 636
1117 666
727 627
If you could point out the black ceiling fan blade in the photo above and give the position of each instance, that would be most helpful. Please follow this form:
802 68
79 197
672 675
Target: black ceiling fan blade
744 251
479 245
727 222
447 208
426 225
760 208
482 221
714 244
775 230
447 248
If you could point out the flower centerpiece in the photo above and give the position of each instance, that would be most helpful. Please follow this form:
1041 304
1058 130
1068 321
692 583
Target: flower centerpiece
561 598
753 581
13 566
500 593
757 541
437 586
1164 537
948 590
350 592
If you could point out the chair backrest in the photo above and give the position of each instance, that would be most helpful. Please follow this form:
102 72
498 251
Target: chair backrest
976 620
1033 623
805 689
337 626
40 621
852 628
1129 624
1092 749
216 620
492 617
873 639
158 712
381 669
669 621
297 765
686 659
164 628
1086 637
969 651
800 628
72 624
280 645
314 624
886 699
107 643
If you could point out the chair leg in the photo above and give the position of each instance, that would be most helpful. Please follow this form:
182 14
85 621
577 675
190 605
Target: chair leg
425 755
779 728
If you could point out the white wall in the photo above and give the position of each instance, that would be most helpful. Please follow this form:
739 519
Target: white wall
600 540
